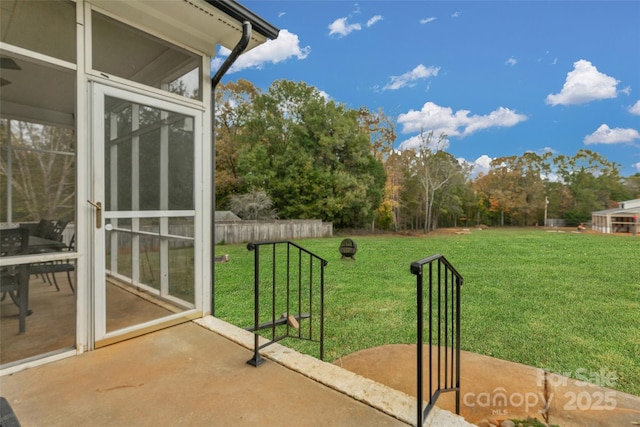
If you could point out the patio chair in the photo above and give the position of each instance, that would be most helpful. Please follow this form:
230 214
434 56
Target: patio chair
51 268
55 232
52 230
42 228
14 279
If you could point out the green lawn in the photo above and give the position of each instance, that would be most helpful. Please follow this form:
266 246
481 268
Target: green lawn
566 302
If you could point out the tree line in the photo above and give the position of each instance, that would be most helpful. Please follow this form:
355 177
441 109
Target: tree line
290 153
39 163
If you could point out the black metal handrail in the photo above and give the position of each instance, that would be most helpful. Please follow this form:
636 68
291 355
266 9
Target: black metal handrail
300 275
441 276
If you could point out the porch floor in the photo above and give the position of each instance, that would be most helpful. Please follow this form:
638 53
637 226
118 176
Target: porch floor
190 374
196 374
183 375
52 326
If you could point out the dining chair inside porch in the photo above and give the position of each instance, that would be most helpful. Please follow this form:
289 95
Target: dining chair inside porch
52 230
14 279
53 267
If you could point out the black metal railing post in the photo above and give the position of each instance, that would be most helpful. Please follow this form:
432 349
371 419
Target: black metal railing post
459 282
307 295
322 310
420 328
256 360
447 311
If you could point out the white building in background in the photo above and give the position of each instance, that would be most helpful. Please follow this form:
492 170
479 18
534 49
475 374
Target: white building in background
618 220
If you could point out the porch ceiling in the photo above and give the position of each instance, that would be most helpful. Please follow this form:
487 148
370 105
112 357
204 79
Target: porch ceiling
46 94
194 23
38 93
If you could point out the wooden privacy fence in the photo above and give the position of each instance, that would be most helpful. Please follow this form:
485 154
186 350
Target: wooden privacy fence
243 231
262 231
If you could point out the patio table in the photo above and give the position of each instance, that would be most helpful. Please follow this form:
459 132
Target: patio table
21 298
39 244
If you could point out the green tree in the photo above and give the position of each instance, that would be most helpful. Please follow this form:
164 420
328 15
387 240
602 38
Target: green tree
411 192
311 156
452 204
498 189
389 211
529 171
383 136
632 184
234 103
560 199
381 131
514 188
593 182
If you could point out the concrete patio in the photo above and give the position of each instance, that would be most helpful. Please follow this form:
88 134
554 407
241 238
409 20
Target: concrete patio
493 390
196 374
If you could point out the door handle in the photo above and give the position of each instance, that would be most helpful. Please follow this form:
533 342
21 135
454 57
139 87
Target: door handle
98 207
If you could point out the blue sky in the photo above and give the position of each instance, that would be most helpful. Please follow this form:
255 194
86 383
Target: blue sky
498 77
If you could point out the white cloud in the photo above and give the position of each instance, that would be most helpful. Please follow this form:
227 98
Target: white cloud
456 14
482 164
502 117
325 95
427 20
217 61
342 28
605 135
545 150
286 46
373 20
411 77
635 108
440 120
410 143
584 84
511 61
415 142
637 166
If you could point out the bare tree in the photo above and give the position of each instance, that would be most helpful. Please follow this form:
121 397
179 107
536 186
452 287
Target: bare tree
41 169
254 205
435 168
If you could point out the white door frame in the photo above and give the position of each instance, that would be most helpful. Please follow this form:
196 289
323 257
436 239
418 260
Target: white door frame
98 93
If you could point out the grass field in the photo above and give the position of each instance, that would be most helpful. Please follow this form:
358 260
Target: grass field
561 301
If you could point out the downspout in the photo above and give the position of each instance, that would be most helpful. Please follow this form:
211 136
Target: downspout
235 53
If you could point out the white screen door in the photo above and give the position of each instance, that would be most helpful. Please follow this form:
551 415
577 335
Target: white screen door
144 187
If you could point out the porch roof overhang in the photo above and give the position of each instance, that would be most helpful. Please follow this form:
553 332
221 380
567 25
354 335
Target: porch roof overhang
198 24
618 212
627 208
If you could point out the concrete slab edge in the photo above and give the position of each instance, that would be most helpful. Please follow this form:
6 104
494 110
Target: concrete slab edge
383 398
